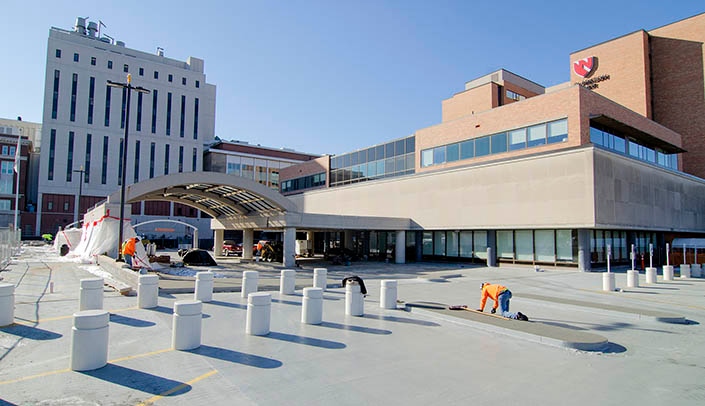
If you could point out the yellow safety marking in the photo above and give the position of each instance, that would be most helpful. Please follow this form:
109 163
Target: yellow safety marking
177 388
114 361
28 322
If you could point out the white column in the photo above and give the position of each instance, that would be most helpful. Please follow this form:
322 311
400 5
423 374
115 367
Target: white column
7 304
354 303
289 247
608 284
388 294
312 306
147 291
89 340
259 306
204 287
91 297
248 238
195 238
650 275
249 283
685 271
632 278
218 237
287 282
668 272
320 278
400 249
186 325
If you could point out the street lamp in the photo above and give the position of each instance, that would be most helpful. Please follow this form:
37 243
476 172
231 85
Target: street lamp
129 88
80 190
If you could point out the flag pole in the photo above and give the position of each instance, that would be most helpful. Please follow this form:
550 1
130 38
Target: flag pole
17 182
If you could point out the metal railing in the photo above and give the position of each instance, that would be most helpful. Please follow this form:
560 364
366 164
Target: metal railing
10 242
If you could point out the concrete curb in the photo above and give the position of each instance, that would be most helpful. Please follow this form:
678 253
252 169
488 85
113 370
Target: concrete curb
578 340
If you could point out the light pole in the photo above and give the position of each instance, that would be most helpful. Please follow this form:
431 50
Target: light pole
129 88
80 190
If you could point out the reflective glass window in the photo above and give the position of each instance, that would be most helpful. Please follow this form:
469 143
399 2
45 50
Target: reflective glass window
558 131
467 149
426 157
482 146
452 152
517 139
439 155
399 148
537 135
499 143
410 144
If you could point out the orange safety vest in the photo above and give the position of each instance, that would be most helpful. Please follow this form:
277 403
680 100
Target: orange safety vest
493 292
129 247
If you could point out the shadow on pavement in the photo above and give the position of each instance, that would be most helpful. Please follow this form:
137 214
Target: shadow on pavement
237 357
357 329
33 333
315 342
228 304
402 320
130 321
138 380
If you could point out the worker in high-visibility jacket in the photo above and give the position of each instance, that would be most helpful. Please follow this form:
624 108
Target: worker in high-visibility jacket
500 295
128 250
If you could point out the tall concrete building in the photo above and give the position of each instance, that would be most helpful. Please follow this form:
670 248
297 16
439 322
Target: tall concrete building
84 123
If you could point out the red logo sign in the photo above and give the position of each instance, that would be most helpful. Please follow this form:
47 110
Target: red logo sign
585 67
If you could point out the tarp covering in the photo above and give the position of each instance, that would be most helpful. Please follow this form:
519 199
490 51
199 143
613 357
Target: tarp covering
198 257
70 237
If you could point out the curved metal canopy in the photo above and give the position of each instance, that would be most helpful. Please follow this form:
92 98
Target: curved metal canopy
218 194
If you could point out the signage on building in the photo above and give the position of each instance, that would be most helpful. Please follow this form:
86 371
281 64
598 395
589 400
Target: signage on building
585 68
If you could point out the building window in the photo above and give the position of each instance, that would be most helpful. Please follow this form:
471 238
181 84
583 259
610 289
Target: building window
121 152
166 159
125 68
514 96
198 84
52 152
194 159
124 107
55 95
74 90
181 159
69 161
50 206
6 177
154 111
5 205
75 57
104 166
141 71
93 61
137 161
66 206
195 119
58 53
168 113
91 99
87 162
139 111
108 91
183 116
170 78
156 75
152 151
183 81
110 64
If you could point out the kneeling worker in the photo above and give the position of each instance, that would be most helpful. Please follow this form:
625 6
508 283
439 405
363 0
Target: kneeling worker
500 295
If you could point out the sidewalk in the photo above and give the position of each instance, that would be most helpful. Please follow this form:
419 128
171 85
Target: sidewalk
385 357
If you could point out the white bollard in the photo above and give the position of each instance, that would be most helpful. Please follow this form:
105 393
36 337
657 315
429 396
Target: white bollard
608 284
388 294
685 271
320 278
204 287
354 304
312 306
7 304
186 331
287 282
259 305
668 272
249 283
147 291
91 297
651 275
695 270
89 340
632 278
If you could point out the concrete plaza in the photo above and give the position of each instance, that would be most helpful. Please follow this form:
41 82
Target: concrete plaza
411 355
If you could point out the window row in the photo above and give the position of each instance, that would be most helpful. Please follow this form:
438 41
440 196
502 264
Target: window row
8 150
547 246
389 150
384 168
636 149
175 161
263 171
520 138
304 182
141 107
126 68
462 244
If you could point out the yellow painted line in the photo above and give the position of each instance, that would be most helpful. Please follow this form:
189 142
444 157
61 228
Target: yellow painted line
26 322
177 388
114 361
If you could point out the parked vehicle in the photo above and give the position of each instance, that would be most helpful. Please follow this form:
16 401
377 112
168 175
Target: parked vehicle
231 248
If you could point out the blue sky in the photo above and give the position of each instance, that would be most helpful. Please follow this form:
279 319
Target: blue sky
330 76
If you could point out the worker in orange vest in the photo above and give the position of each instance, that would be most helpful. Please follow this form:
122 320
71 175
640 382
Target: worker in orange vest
500 295
128 250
